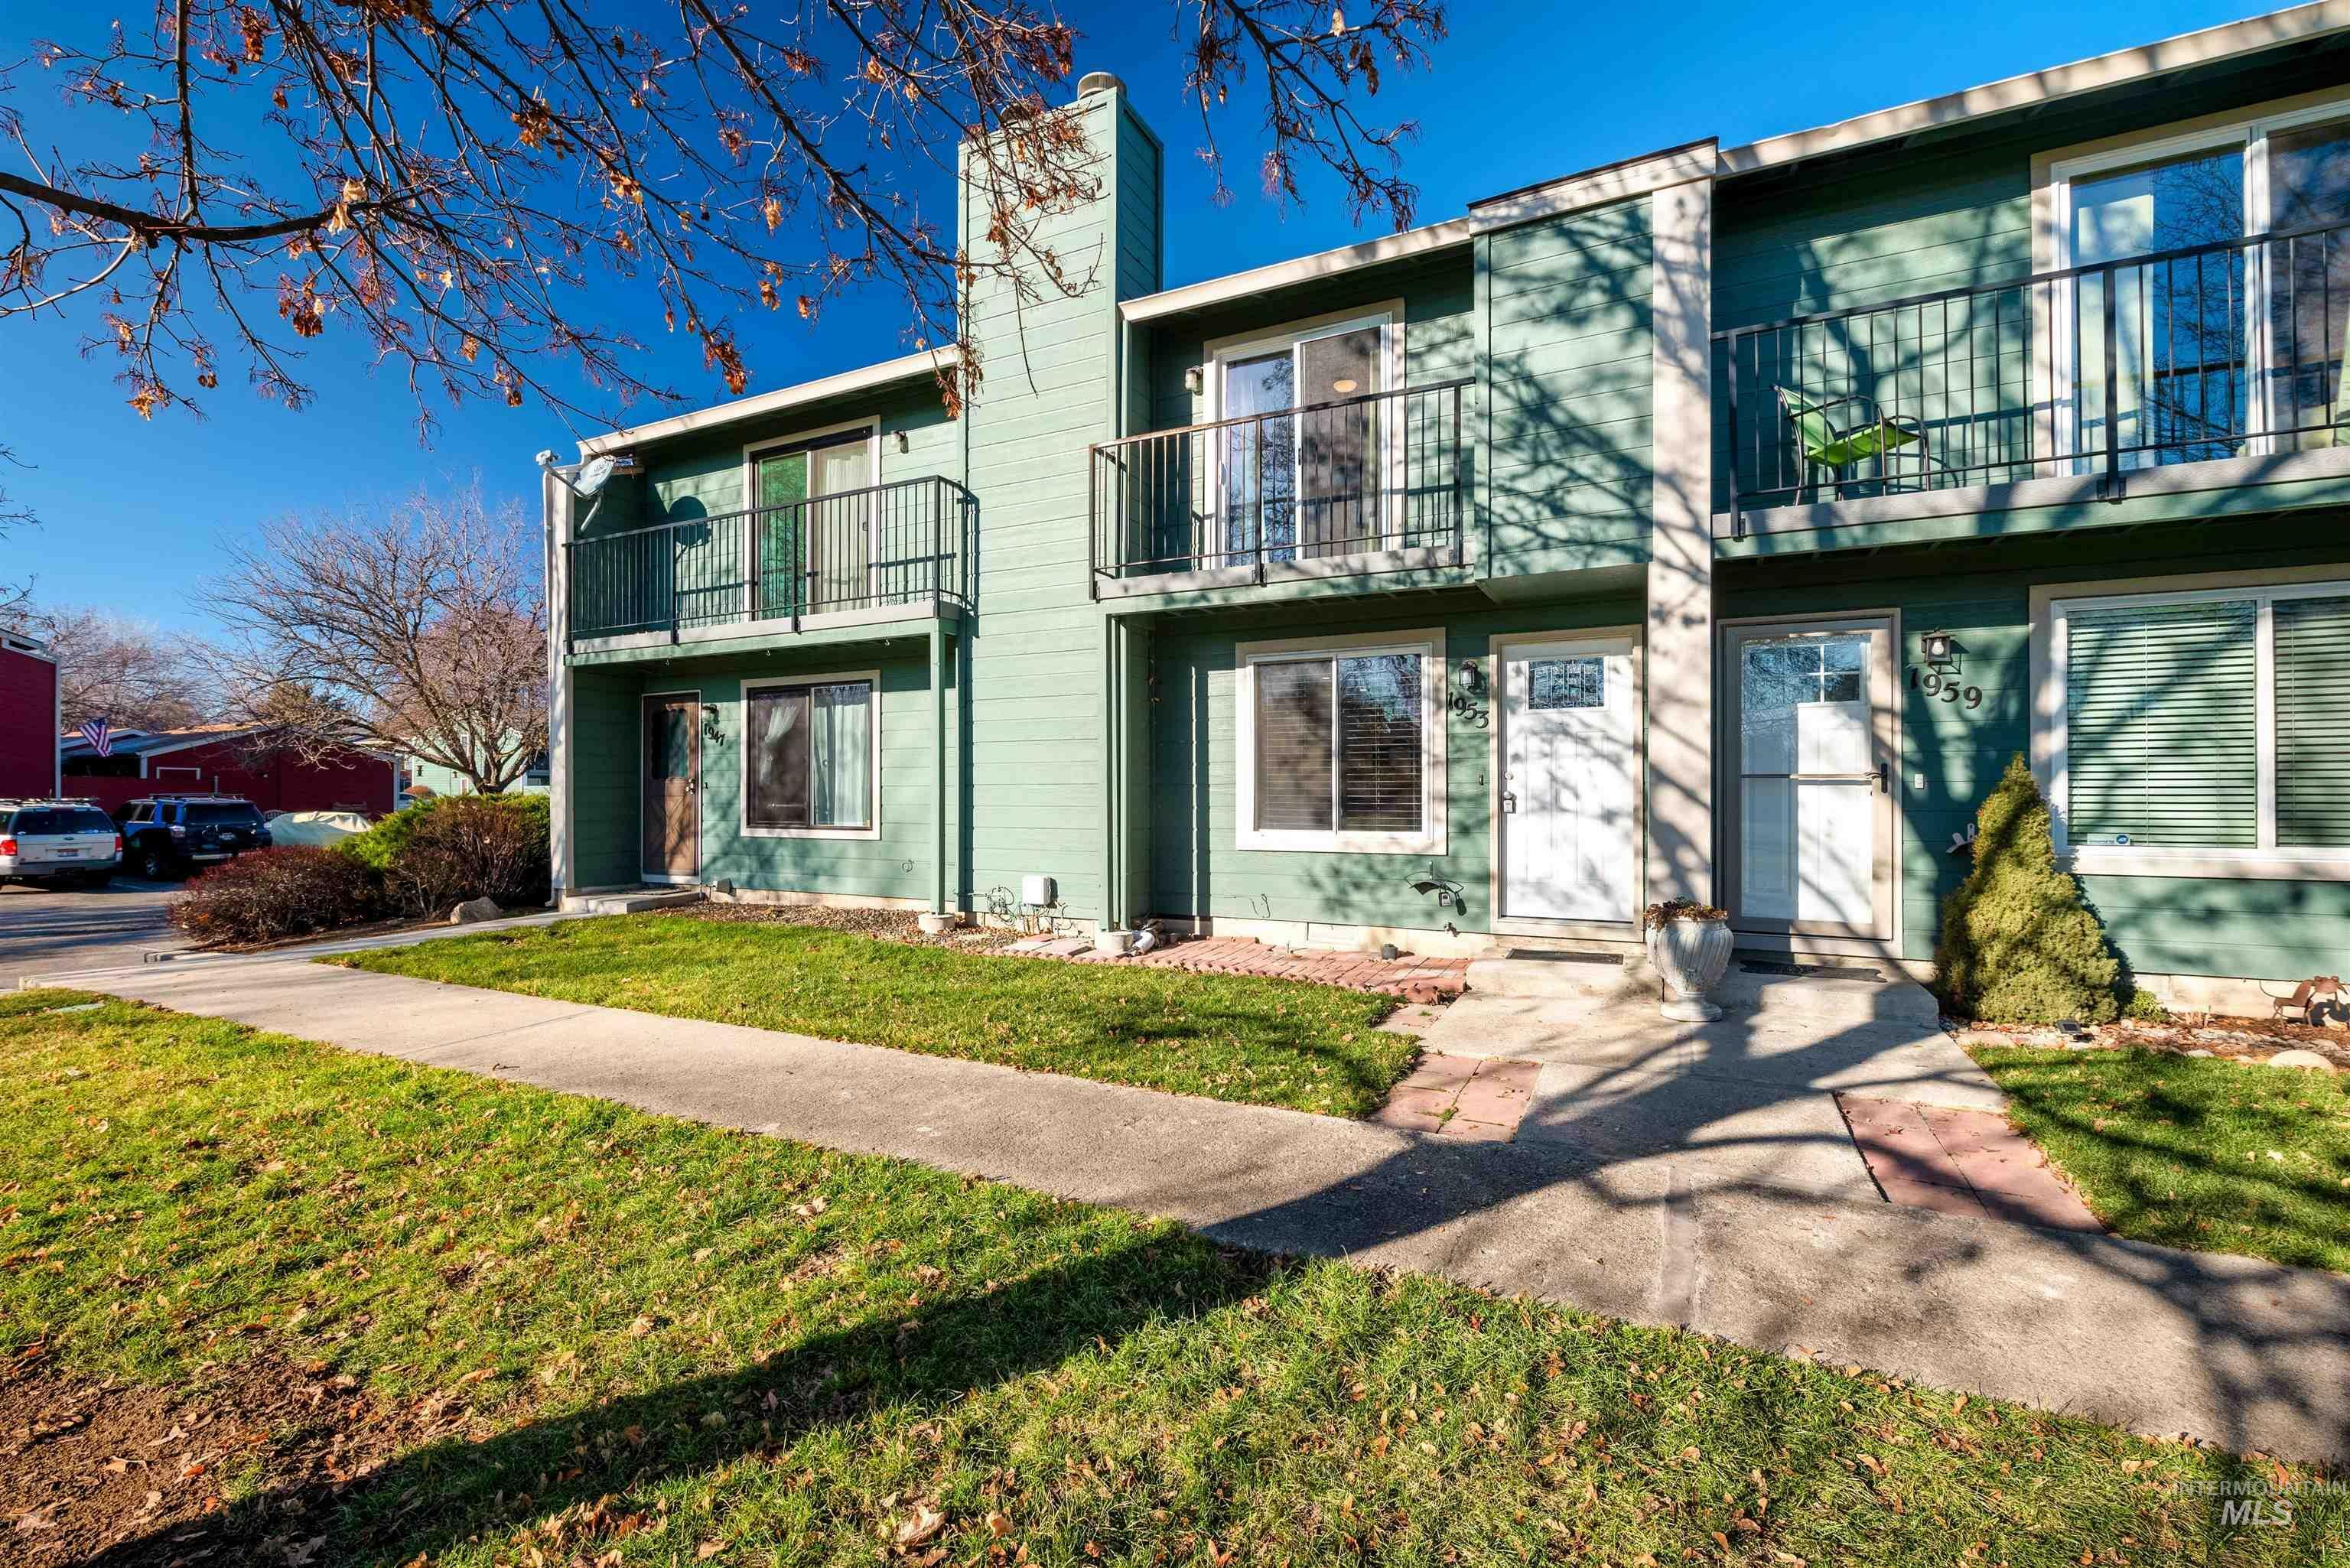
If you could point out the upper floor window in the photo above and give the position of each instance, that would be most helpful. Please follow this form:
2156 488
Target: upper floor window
2213 322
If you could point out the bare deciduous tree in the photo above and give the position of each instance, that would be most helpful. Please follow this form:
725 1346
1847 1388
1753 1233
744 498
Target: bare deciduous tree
418 629
442 177
15 598
130 673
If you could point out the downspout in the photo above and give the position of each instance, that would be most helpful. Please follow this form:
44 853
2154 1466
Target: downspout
938 765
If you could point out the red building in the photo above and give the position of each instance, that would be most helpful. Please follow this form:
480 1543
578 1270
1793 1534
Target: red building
29 717
227 759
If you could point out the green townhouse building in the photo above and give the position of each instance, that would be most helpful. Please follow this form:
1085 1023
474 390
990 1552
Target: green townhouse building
1716 524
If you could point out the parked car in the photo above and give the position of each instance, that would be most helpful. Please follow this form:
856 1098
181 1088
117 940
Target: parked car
171 835
57 842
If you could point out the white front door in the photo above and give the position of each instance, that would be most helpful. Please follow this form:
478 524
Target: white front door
1813 747
1568 825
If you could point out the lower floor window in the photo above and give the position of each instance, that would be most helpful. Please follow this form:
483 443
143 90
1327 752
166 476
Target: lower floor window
1340 750
810 756
2206 720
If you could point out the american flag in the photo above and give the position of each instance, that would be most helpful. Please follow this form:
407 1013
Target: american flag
100 736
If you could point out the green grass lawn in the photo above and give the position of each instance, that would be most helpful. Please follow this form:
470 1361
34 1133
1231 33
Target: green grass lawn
2191 1151
1229 1037
644 1341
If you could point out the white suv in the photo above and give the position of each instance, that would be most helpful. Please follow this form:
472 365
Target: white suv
57 842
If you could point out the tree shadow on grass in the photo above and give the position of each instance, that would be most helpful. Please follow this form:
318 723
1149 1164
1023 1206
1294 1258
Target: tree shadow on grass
440 1495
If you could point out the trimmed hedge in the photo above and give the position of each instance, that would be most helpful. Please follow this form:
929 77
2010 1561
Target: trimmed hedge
2019 943
272 894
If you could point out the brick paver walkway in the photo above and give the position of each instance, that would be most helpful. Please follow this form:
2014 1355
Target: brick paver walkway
1415 979
1475 1099
1961 1162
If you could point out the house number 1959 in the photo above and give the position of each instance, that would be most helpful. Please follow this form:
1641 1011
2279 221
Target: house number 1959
1933 684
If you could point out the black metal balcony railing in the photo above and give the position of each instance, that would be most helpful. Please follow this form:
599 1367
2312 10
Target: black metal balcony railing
2232 349
904 545
1355 479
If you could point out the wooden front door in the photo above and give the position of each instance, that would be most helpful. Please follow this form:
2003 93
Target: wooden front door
672 788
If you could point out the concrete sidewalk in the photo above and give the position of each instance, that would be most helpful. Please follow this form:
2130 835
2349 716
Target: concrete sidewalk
2240 1353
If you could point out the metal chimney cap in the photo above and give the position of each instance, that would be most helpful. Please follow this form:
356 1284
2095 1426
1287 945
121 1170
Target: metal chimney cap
1099 81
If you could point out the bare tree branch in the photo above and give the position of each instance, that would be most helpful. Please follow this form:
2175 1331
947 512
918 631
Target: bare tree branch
418 630
445 177
126 671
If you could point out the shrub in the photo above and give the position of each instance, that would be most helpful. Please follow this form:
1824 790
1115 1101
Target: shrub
450 848
275 893
2019 944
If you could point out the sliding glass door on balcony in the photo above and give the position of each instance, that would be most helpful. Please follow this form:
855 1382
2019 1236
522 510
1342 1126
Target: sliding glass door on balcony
813 544
2192 303
2227 340
1302 460
2162 351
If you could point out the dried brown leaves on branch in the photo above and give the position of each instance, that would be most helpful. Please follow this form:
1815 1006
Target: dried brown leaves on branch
417 629
224 182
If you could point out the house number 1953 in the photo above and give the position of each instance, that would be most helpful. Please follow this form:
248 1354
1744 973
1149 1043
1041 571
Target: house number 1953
1933 683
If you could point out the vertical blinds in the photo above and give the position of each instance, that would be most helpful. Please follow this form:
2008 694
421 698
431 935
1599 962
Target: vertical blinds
2161 724
1338 744
2313 676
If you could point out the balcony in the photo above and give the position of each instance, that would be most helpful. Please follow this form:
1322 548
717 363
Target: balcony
898 551
2094 382
1358 487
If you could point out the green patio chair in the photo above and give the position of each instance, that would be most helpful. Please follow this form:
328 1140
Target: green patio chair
1878 435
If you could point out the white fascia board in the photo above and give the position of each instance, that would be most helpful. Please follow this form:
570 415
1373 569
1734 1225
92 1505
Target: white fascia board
2120 68
864 379
1596 187
17 642
1425 241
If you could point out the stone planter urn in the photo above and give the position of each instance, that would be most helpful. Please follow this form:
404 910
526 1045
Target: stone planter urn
1689 946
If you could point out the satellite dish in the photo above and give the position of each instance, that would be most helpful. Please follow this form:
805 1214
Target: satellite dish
593 476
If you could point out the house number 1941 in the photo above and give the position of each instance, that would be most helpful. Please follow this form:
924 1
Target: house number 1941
1933 683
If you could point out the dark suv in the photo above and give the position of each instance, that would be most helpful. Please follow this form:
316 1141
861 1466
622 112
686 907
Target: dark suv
172 834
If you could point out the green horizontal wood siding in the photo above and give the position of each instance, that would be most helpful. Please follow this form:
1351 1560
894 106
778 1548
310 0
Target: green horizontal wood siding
1196 867
895 864
1567 476
1953 754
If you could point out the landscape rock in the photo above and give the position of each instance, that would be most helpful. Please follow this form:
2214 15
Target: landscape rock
473 909
2300 1059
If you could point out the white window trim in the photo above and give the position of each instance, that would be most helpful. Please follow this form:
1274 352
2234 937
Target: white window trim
2060 170
1430 840
1386 315
752 451
2051 608
743 812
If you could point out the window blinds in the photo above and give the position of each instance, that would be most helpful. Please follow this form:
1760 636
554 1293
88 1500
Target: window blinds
2161 724
1293 746
1339 744
2313 764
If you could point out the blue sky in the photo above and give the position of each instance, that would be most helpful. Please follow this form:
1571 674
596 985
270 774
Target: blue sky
133 512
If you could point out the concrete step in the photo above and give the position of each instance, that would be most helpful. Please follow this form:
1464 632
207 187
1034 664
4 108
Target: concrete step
1828 996
1561 974
631 901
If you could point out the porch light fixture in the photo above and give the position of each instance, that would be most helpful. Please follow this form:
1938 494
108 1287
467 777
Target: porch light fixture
1938 649
1195 378
1471 676
904 444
